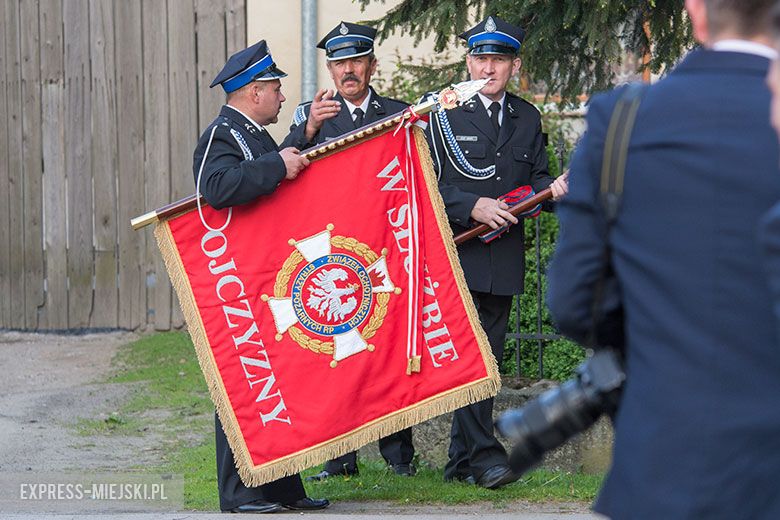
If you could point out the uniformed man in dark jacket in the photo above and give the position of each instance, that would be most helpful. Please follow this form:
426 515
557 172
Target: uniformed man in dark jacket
349 49
481 150
235 162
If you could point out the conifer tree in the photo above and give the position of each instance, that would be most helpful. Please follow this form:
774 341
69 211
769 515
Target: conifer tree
571 46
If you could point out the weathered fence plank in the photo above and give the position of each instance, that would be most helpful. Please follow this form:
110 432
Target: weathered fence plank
183 107
31 159
54 314
132 309
235 26
104 161
5 252
210 30
101 104
157 173
78 167
15 164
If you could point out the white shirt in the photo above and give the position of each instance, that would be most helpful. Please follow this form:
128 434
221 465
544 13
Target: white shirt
745 46
487 102
259 127
363 106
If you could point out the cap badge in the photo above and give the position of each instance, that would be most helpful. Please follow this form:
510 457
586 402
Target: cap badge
490 25
343 29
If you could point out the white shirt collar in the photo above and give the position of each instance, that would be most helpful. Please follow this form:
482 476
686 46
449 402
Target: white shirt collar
487 101
259 127
745 46
363 105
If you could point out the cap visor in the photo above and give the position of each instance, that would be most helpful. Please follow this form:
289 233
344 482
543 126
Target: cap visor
492 48
270 73
349 52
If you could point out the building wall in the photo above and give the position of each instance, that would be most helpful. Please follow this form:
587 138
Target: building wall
279 23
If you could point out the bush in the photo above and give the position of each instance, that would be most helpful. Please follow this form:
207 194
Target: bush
559 356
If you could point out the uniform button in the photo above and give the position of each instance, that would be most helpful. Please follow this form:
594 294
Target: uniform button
498 178
498 154
466 152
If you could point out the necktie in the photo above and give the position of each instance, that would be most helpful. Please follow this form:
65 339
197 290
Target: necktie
358 114
495 108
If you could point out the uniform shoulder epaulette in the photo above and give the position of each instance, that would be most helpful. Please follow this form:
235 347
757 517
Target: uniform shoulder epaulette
300 115
522 100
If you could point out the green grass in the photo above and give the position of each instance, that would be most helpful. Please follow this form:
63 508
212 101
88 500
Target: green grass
169 397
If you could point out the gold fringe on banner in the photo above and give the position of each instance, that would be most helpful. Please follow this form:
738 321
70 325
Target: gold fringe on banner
255 475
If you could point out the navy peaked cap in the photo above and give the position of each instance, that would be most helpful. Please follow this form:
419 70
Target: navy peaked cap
251 64
348 40
494 36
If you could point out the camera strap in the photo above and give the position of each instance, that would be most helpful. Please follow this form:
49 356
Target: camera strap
613 170
613 164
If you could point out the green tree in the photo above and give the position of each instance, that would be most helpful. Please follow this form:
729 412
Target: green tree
571 46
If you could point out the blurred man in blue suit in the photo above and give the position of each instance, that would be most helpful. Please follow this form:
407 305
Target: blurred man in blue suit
770 226
697 434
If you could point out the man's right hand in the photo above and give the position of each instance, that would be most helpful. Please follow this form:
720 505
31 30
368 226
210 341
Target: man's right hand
322 108
492 212
293 161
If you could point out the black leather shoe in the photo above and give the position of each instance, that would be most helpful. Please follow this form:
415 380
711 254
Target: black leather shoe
324 474
258 507
404 470
308 504
497 476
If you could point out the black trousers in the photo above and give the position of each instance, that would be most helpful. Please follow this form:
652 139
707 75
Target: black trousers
473 445
233 492
396 448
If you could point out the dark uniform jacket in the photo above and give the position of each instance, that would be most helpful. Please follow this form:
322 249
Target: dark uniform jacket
697 434
378 108
519 155
243 161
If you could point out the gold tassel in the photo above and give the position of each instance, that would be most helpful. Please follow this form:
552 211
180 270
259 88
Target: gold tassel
413 365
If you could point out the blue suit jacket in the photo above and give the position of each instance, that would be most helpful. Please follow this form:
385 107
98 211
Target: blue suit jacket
697 434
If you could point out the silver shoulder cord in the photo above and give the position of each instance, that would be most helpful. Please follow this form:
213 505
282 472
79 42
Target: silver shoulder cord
449 153
197 189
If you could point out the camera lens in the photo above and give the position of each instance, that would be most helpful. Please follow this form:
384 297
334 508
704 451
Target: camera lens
560 413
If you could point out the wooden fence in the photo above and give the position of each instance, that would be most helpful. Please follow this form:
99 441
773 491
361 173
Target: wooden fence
101 104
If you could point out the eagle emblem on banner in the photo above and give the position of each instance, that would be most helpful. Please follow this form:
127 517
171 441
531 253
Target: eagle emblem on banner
331 295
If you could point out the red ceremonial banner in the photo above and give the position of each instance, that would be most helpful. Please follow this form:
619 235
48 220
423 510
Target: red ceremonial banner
332 312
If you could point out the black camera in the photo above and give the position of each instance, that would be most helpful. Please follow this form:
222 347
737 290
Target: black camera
560 413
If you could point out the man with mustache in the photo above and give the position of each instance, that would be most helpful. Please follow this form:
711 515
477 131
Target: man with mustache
235 162
349 49
487 147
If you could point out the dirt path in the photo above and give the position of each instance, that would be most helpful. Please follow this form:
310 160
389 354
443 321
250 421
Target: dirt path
48 384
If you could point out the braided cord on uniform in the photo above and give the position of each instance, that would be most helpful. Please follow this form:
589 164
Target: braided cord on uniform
457 152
